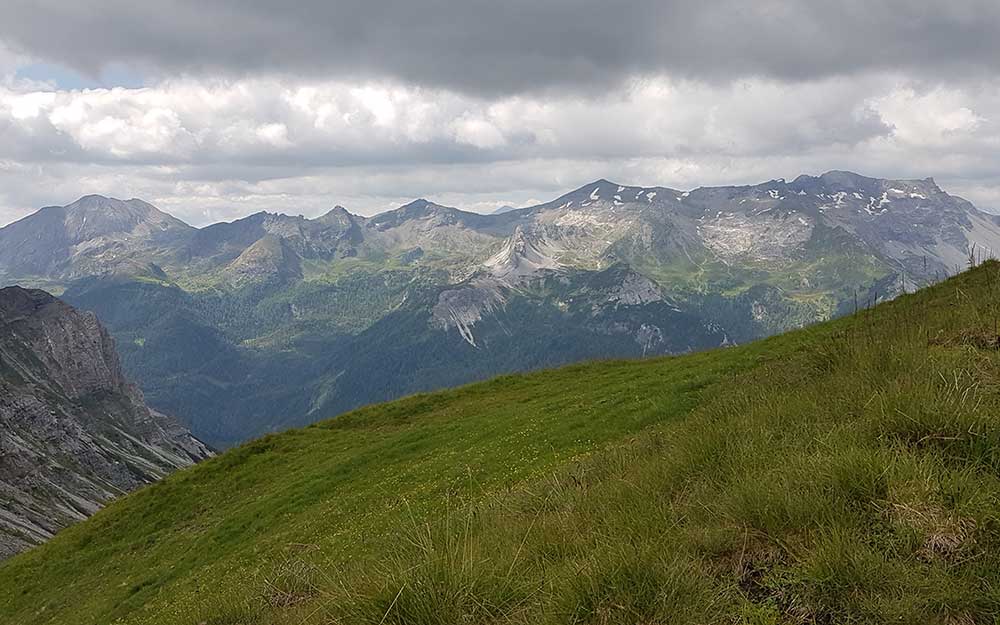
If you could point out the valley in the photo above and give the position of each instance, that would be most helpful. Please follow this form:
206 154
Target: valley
275 321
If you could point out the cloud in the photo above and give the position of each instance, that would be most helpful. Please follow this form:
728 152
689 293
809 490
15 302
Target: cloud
937 117
502 48
220 149
9 62
273 123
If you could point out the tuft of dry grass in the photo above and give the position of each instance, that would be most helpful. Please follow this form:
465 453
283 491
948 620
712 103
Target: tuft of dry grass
846 473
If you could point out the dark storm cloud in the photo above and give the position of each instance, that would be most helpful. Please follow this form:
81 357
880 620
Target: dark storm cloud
515 45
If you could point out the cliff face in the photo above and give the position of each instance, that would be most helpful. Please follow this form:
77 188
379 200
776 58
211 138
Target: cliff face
74 433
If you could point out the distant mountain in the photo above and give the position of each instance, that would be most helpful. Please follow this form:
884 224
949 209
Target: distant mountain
501 210
271 320
93 236
74 433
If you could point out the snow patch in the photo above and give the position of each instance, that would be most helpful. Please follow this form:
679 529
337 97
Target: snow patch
874 206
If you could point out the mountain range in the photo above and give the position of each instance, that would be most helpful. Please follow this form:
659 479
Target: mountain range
74 433
273 321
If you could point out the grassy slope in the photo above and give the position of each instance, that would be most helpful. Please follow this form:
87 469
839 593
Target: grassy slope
844 473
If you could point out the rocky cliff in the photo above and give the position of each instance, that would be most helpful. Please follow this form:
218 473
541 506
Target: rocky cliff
74 433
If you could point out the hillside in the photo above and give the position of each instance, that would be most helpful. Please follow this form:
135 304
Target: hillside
275 321
74 433
847 472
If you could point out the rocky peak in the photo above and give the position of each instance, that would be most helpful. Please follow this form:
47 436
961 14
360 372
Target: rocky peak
338 215
269 259
594 192
77 352
17 303
850 183
843 181
95 216
522 255
94 235
421 210
234 237
604 193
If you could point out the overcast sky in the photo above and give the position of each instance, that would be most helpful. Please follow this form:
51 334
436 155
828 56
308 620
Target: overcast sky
216 109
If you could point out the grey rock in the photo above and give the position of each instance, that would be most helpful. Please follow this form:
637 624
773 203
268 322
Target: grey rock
74 433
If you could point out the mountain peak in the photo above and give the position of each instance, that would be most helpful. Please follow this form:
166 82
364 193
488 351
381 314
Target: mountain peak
336 215
844 177
270 258
102 202
521 256
418 204
94 216
16 301
100 231
95 202
602 190
94 197
337 210
835 181
419 208
600 185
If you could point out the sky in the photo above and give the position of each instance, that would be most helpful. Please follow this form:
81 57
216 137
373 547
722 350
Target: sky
216 109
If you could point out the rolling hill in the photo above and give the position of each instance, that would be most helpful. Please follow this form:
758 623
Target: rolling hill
845 472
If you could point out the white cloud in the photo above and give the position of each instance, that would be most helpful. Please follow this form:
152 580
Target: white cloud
477 132
274 135
210 150
936 117
9 62
343 124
